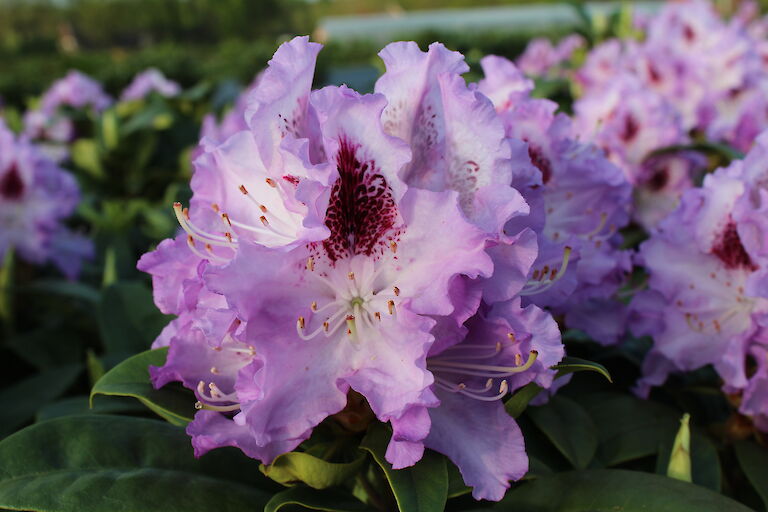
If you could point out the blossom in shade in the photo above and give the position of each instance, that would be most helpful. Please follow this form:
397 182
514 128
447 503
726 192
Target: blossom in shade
584 200
706 302
505 347
147 82
76 90
35 198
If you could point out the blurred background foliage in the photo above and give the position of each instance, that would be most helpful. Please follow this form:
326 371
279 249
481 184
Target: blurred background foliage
198 40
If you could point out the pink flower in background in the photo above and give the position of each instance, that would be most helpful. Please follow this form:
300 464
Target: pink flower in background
76 90
35 198
147 82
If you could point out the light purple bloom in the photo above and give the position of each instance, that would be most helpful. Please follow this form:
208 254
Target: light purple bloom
51 132
75 90
541 58
585 201
505 347
707 301
35 198
147 82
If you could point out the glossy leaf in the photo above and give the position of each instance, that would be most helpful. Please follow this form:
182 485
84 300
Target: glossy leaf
296 467
575 364
99 463
131 378
628 428
613 490
753 460
568 426
519 401
328 500
420 488
128 319
20 402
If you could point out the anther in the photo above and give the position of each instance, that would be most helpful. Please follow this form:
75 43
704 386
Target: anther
397 291
243 189
228 236
351 276
300 322
378 316
391 307
190 240
263 208
393 246
511 336
313 306
271 182
185 212
215 207
226 219
214 370
518 359
325 326
264 220
310 264
198 405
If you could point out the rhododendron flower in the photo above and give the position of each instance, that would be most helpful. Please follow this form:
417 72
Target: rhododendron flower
148 81
75 90
332 267
542 58
506 347
35 197
707 301
585 200
51 132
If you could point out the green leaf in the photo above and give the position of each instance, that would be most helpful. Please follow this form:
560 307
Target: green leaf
131 378
294 467
70 289
707 147
574 364
613 490
420 488
328 500
79 405
628 428
679 465
519 401
568 426
85 155
128 320
456 485
20 402
704 461
753 460
100 463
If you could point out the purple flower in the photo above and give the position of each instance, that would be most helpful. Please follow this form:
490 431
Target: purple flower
706 302
505 348
148 81
542 58
51 132
584 201
35 198
75 90
351 273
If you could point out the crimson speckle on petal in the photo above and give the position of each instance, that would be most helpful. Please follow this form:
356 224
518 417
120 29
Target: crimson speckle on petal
730 250
362 210
11 186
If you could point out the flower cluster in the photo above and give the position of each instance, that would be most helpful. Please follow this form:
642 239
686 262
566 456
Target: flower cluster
36 195
372 244
707 297
150 81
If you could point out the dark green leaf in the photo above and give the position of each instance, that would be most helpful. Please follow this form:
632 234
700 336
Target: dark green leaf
100 463
20 402
519 401
330 500
456 485
613 490
79 405
707 147
131 378
294 467
420 488
753 460
128 320
629 428
71 289
574 364
568 426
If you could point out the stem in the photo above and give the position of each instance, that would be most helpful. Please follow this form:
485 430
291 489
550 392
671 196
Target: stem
6 294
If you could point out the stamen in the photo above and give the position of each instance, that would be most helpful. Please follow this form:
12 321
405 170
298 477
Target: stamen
301 322
271 182
378 316
264 221
215 207
397 291
313 306
310 263
393 246
391 307
538 286
481 370
263 208
351 276
226 219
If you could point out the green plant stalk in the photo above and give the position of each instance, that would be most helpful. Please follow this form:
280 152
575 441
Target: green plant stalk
6 293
